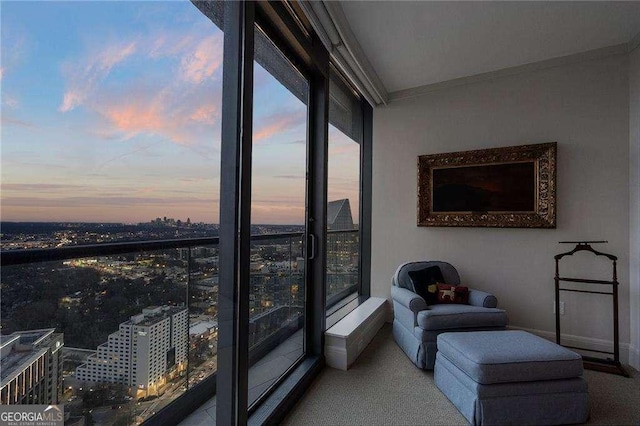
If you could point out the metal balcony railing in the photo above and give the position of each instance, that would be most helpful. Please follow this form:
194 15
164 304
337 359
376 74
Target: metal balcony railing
87 292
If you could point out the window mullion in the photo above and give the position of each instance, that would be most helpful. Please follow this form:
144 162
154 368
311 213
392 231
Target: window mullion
235 203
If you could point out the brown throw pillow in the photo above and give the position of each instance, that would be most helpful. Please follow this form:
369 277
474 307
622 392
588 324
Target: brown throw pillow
448 293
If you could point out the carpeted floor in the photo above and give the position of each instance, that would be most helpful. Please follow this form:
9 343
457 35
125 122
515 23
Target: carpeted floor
384 388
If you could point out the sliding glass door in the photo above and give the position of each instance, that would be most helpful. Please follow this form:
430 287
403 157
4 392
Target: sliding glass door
268 256
274 245
210 183
278 218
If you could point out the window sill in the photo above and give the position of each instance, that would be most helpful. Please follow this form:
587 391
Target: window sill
277 405
341 309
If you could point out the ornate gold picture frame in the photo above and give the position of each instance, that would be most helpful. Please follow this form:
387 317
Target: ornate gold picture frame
512 187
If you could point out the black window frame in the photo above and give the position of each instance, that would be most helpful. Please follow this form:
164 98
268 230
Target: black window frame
301 46
347 301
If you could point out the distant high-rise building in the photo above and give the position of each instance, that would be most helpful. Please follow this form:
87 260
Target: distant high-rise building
275 324
31 367
195 252
342 249
143 353
339 215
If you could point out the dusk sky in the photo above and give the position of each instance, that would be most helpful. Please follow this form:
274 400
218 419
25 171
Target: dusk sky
111 113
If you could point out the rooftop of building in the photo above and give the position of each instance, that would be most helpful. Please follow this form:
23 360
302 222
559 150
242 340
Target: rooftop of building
202 327
21 348
7 339
154 314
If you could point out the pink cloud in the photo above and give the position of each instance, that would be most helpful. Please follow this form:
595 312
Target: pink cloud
109 208
16 46
39 187
183 115
201 63
104 133
174 104
147 190
15 122
277 214
353 149
207 114
86 74
170 43
278 123
341 144
79 202
133 117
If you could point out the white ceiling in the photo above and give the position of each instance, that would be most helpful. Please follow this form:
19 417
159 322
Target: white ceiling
411 44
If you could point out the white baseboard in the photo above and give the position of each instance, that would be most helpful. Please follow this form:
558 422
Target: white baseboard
626 352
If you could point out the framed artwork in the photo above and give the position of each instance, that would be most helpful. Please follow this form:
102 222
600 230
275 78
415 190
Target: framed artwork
512 187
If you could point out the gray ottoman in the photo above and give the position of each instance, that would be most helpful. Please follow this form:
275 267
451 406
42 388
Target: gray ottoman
511 377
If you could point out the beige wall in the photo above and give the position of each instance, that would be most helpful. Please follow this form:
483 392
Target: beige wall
585 108
634 223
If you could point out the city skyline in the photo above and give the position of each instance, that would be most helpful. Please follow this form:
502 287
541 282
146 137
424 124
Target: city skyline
111 114
182 220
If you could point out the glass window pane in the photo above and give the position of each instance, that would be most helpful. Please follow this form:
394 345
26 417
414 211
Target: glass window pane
111 133
110 115
278 217
343 194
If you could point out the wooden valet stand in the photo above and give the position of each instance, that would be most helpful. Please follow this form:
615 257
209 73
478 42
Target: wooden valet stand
606 365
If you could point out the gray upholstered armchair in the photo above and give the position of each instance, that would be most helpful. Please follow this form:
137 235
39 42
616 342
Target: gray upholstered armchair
417 325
